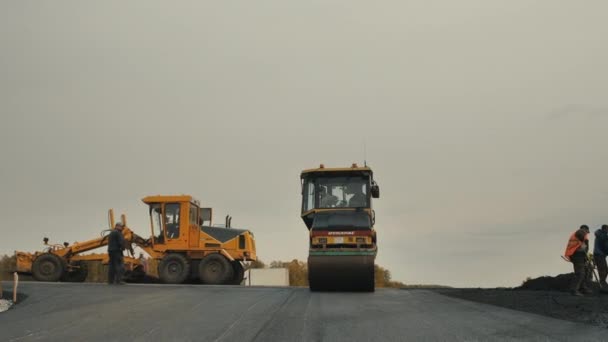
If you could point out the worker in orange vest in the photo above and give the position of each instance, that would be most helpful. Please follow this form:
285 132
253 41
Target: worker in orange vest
576 252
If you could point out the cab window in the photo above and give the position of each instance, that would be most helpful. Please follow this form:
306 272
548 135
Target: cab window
172 216
309 195
193 215
156 218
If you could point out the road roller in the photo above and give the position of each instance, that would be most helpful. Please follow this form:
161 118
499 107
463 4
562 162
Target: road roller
337 210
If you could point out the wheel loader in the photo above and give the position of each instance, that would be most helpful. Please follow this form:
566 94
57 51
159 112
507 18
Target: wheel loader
183 244
337 210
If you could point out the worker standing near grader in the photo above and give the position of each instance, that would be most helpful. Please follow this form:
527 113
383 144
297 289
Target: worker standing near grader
183 245
116 247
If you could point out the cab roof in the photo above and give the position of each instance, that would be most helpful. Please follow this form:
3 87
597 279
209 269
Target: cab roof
168 198
322 168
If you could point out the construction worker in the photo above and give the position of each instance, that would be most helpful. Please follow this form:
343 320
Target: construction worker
116 246
600 251
576 252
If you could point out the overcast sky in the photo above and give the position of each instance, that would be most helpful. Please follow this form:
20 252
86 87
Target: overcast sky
486 122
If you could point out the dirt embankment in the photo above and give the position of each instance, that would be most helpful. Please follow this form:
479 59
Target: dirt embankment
548 296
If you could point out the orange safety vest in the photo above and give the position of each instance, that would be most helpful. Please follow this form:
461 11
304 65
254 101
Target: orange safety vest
573 244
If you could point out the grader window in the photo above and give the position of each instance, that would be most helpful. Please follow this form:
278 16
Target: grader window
172 220
193 215
156 218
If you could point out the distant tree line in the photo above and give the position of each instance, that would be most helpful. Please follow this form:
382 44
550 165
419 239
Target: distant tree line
298 273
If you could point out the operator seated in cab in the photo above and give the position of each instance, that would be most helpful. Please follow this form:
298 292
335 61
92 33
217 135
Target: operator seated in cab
350 194
358 199
327 200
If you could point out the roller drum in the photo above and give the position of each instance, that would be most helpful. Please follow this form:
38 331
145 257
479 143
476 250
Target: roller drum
341 272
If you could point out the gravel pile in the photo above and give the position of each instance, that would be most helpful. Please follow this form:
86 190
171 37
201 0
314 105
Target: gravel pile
590 309
560 282
5 304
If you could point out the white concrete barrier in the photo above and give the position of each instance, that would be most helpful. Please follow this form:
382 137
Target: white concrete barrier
267 277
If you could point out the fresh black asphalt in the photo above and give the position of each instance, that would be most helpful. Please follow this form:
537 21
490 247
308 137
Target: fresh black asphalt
146 312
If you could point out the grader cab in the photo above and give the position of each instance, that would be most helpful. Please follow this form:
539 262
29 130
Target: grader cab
187 248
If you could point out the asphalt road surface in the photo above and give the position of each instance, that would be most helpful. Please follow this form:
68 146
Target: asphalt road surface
97 312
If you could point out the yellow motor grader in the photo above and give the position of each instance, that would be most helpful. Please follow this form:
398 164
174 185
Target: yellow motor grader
182 240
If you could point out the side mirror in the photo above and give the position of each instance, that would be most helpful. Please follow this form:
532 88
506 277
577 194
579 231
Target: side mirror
375 190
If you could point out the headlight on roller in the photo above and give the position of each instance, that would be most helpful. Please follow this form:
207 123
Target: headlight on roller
360 240
322 240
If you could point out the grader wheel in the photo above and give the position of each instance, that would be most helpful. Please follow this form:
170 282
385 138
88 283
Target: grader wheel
239 273
48 267
215 269
174 269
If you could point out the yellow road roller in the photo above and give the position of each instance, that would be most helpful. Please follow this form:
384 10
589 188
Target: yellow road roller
337 210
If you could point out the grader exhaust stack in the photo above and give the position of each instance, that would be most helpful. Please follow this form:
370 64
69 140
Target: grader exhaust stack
337 210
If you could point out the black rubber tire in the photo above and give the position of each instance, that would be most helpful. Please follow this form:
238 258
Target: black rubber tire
174 269
48 267
78 273
238 273
215 269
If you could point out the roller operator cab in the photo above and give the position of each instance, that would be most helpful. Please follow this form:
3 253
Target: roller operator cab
337 210
189 247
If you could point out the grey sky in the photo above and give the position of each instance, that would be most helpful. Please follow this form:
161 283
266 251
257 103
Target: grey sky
485 122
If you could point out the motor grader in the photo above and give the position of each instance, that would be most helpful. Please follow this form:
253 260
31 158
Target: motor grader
337 210
181 241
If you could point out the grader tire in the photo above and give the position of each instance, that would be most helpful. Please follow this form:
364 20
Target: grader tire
78 273
239 273
48 267
174 269
215 269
